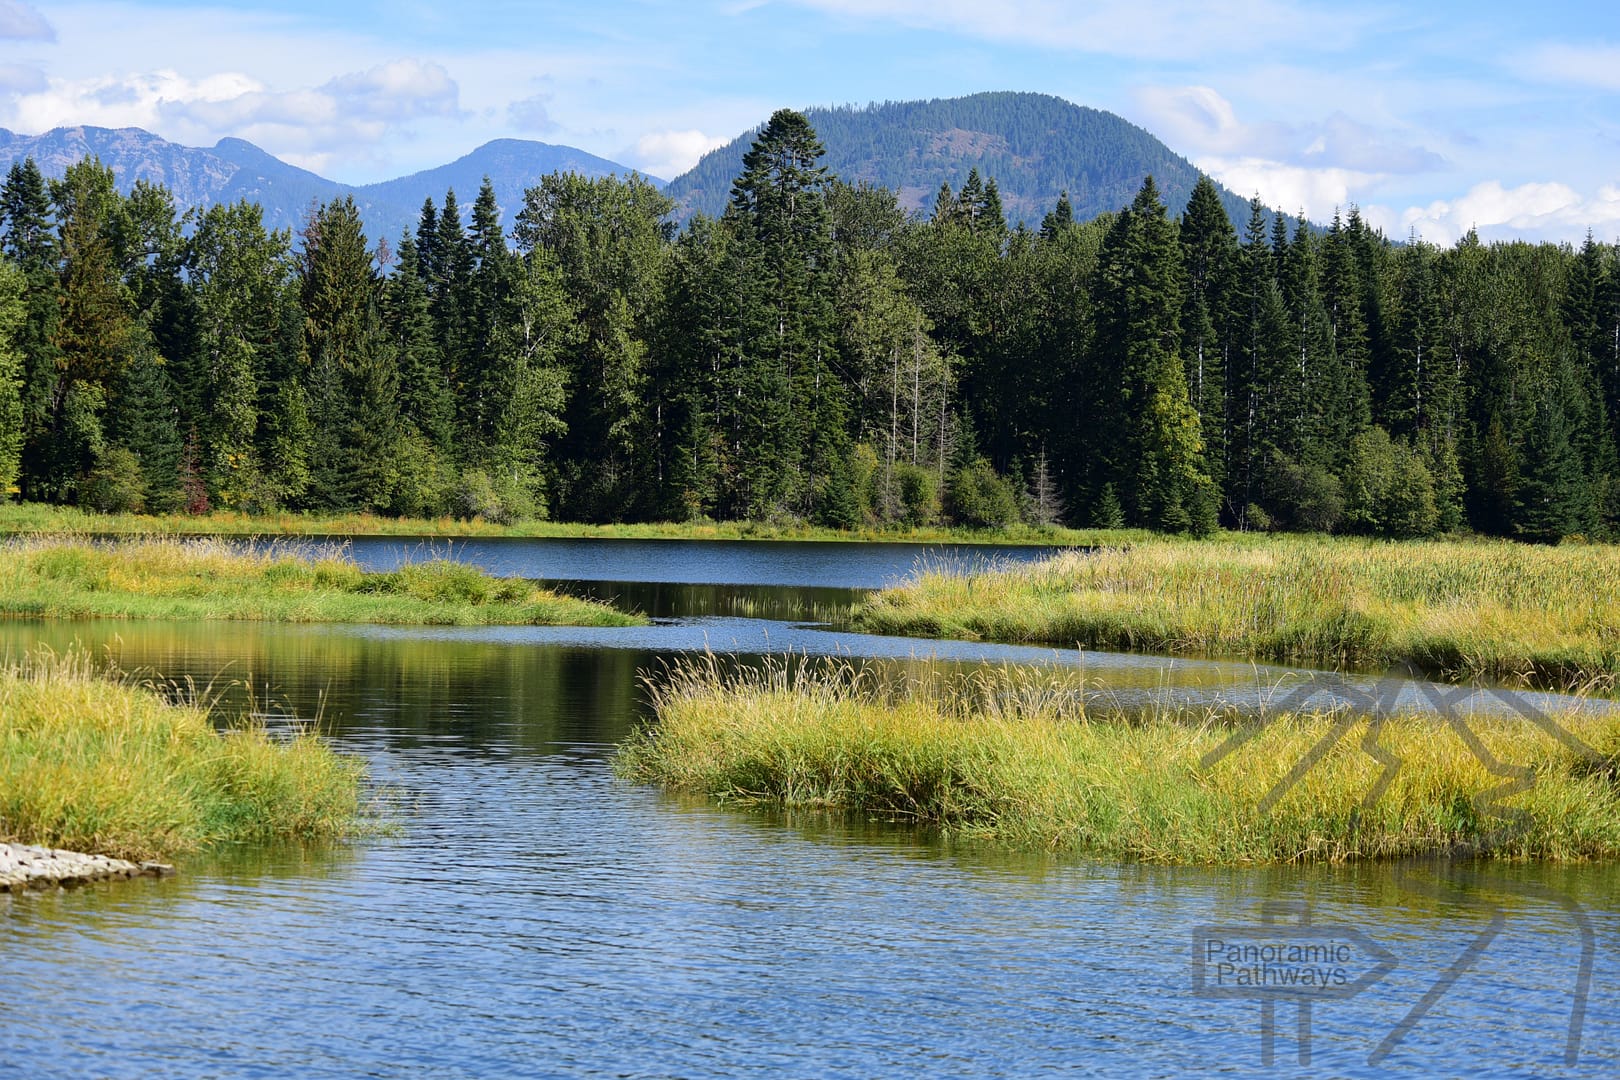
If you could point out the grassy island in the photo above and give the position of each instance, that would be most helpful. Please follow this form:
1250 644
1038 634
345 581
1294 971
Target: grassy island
1018 762
107 767
1546 616
209 579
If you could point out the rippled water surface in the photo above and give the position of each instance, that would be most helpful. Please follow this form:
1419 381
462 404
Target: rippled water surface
536 916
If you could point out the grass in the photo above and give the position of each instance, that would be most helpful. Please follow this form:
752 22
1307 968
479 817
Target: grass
168 578
108 767
1019 761
36 518
1535 615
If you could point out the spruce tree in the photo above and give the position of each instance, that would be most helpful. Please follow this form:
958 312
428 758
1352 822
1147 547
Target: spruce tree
1551 499
798 408
425 401
1156 452
11 378
1058 218
97 331
348 354
1210 259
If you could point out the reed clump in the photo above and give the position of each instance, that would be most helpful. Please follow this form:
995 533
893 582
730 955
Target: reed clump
168 578
1017 760
1546 616
105 766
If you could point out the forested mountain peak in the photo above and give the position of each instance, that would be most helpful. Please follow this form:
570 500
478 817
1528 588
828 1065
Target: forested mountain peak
1036 146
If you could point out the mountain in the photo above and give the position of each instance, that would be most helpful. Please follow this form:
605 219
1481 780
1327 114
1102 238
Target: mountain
194 176
512 165
235 169
1035 146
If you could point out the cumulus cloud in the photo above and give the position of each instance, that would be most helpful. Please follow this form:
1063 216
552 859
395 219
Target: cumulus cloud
304 124
137 100
1595 65
1169 29
532 114
1290 188
1534 211
667 154
396 91
21 21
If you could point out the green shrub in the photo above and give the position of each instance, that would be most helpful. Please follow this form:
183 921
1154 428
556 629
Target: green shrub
1389 490
115 485
977 496
919 494
501 497
1305 497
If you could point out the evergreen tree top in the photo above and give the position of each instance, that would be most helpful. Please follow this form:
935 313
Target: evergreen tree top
784 156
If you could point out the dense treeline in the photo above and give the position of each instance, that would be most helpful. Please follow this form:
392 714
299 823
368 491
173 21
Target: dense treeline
812 353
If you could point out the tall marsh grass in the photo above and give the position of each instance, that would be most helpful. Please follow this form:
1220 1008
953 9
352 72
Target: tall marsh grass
1018 759
1539 615
212 579
102 765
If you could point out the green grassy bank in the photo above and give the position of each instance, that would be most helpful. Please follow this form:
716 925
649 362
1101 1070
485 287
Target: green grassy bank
39 518
1016 765
1541 615
207 579
106 767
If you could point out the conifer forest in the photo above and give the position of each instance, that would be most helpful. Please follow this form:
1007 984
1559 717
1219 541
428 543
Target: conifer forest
814 353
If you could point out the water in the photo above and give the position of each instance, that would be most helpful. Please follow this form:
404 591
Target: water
536 916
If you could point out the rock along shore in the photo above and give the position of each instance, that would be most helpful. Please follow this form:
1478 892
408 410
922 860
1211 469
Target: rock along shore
25 866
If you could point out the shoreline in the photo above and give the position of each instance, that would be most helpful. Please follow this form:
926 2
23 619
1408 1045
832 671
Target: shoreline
32 868
23 519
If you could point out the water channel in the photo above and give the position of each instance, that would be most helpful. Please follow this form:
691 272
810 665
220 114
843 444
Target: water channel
534 916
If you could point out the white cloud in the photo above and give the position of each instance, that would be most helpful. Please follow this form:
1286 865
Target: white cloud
121 100
396 91
21 21
1534 211
1596 65
1169 29
1290 188
306 125
667 154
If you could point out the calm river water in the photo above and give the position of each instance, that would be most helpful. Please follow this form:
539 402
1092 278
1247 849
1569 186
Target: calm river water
534 916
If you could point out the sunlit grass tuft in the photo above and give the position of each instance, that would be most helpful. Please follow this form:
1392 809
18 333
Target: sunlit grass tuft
1017 759
1545 616
101 765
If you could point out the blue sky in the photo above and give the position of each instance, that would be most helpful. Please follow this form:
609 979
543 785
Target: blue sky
1433 117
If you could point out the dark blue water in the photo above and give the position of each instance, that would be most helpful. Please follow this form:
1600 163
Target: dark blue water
536 916
775 563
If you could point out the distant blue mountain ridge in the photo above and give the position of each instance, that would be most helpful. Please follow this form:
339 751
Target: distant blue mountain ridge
235 169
